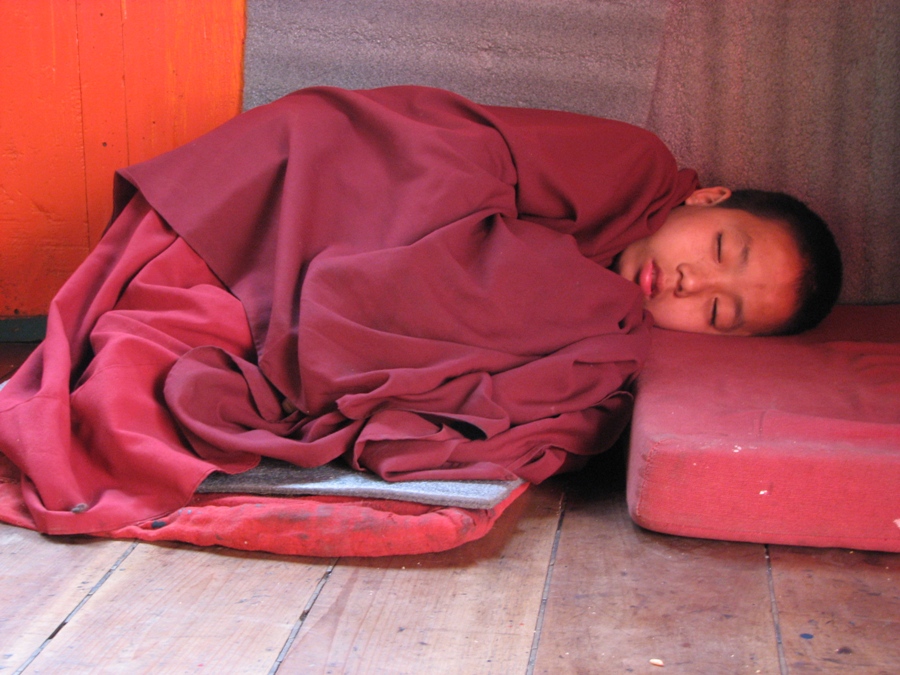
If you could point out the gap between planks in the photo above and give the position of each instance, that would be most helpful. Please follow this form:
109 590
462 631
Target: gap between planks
71 615
288 643
539 624
776 622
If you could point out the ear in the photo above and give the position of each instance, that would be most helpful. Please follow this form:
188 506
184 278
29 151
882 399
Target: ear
708 196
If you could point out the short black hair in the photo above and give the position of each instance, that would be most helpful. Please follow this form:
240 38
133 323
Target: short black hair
819 287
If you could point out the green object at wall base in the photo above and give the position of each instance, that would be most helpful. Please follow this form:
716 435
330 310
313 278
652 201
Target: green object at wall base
23 329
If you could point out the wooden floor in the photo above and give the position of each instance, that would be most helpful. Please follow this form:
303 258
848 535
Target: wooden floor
565 583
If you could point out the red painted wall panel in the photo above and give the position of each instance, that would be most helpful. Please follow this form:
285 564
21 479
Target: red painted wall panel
87 86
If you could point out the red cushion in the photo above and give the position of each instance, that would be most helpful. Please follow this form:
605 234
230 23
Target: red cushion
311 526
773 440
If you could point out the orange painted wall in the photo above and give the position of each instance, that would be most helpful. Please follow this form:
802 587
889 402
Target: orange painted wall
87 86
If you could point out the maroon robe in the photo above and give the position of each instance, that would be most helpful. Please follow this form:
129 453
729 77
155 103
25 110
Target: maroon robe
399 277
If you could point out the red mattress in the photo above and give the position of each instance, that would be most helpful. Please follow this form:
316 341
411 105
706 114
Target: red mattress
790 440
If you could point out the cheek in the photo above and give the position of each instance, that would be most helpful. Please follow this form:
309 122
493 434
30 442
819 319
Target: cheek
684 314
629 260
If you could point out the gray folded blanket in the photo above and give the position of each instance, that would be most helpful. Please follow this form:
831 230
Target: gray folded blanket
276 478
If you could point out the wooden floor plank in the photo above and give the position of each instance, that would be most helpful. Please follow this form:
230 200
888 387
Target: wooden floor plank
42 580
469 610
621 596
177 609
839 610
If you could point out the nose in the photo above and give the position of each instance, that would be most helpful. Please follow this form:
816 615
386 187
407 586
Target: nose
695 278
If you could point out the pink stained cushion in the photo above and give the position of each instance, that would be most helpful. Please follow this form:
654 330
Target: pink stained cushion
773 440
314 525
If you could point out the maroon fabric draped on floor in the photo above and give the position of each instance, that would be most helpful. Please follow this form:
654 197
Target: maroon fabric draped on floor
399 277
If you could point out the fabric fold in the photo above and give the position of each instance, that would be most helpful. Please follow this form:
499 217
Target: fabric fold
399 277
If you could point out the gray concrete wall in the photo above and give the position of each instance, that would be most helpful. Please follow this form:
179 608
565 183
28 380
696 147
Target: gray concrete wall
590 56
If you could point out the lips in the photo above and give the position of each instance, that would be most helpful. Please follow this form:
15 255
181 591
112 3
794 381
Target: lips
648 278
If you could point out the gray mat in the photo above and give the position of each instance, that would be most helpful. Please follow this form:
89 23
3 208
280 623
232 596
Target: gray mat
274 478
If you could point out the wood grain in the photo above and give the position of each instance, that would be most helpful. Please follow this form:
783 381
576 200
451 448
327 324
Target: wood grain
42 209
96 85
839 610
470 610
180 609
621 596
182 66
101 55
42 580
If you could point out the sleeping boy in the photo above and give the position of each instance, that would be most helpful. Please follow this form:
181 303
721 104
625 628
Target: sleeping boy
401 278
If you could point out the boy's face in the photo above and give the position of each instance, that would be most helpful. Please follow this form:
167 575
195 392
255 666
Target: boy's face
715 270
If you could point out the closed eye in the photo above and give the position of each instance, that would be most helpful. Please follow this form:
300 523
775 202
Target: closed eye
715 311
719 247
